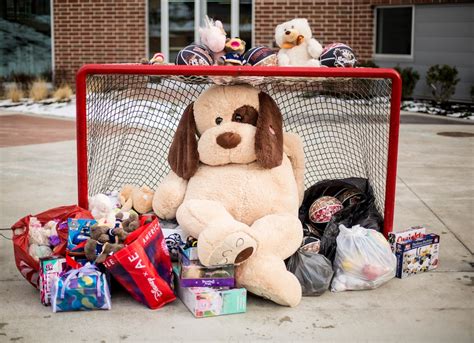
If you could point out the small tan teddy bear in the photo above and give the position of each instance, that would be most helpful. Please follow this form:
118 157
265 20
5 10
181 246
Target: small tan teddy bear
139 199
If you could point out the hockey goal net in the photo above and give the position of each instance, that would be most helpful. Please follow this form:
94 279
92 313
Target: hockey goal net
347 118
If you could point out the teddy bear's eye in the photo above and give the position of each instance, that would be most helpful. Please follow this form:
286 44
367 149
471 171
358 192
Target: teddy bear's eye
219 120
292 26
238 118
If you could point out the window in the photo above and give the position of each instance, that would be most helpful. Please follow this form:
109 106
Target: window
183 18
25 38
394 31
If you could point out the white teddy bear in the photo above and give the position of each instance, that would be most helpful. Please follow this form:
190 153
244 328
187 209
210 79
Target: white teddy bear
102 209
298 48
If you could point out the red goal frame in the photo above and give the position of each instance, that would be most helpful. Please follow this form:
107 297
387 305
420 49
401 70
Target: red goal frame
129 69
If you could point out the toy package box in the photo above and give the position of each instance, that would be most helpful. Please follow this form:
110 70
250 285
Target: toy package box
210 302
50 267
193 274
410 234
79 231
417 256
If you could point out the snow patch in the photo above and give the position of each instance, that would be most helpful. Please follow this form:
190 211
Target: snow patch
47 107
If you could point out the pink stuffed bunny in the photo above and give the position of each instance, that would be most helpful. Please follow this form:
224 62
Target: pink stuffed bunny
213 37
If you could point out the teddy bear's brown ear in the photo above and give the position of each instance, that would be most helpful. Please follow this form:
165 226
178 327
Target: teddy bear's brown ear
184 156
269 135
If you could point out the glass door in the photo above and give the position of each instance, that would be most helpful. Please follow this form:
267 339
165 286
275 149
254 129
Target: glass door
154 27
236 15
245 22
181 26
219 10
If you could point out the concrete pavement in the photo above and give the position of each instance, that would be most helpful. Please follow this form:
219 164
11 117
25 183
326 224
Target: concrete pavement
435 188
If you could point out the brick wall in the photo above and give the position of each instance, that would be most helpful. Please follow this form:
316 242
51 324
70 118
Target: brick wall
346 21
97 31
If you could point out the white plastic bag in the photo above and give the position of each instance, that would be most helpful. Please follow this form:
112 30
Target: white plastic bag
364 260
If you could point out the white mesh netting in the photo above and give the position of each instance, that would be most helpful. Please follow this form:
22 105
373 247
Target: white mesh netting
131 119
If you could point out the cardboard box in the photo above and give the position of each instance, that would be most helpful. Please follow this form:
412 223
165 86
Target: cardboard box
410 234
210 302
417 256
193 274
50 267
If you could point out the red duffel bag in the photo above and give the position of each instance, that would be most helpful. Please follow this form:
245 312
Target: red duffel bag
26 264
143 267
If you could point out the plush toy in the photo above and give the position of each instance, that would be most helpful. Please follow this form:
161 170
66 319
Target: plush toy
39 251
213 37
108 249
102 209
142 198
114 199
158 58
98 235
39 244
137 198
37 234
238 187
102 234
90 250
129 222
234 52
297 47
52 233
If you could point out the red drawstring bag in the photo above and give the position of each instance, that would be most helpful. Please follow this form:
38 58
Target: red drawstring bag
143 267
26 264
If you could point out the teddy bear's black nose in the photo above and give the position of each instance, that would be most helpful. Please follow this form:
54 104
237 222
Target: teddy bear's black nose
228 140
287 32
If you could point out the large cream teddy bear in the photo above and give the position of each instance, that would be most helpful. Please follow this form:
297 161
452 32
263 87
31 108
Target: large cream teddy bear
297 47
236 183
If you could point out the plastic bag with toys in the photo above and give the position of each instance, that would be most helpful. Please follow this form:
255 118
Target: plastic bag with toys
23 236
364 260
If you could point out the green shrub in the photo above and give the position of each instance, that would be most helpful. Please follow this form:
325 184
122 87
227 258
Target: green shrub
442 80
409 79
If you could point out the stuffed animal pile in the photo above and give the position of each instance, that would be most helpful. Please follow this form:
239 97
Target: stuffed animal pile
110 240
42 239
115 221
294 38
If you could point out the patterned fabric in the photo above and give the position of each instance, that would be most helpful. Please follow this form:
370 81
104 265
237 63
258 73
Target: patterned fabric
81 289
338 55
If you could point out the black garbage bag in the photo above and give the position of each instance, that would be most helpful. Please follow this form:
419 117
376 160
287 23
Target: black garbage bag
313 271
358 202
